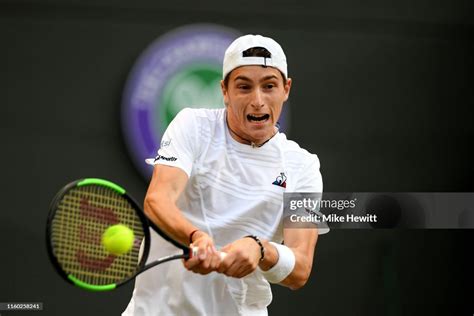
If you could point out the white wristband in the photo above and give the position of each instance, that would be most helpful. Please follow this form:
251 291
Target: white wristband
284 265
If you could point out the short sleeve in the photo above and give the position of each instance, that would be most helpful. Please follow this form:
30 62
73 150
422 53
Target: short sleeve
311 181
179 143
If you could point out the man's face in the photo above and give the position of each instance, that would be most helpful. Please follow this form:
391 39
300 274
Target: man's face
254 99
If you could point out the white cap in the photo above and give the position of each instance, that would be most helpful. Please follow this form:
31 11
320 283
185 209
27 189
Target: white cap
234 58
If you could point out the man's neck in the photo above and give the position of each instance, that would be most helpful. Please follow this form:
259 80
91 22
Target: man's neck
246 141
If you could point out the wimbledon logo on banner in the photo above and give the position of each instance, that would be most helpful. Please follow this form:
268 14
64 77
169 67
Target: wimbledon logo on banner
182 68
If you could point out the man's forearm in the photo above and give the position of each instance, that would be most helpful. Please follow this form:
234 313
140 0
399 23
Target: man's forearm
168 217
303 261
300 274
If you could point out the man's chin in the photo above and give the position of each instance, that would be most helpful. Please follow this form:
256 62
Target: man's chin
260 137
259 129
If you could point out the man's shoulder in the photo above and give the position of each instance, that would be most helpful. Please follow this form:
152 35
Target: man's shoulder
207 124
203 113
295 153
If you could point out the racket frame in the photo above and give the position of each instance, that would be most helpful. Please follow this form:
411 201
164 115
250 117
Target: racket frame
52 212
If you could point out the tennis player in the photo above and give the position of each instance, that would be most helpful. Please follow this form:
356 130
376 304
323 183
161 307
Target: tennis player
218 183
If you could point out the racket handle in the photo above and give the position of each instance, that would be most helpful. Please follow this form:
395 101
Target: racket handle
195 253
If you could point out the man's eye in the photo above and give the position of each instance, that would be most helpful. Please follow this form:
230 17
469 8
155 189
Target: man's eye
243 87
270 86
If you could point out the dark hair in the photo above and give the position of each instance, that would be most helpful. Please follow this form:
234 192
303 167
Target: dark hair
257 52
254 52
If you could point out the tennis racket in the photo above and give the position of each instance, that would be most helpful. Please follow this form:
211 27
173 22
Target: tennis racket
79 215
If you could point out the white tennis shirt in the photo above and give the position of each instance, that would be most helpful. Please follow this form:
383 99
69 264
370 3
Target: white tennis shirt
233 190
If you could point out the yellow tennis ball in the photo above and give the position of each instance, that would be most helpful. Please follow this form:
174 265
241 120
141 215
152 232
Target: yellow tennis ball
118 239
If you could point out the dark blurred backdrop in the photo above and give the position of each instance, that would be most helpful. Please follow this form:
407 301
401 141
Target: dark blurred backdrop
382 92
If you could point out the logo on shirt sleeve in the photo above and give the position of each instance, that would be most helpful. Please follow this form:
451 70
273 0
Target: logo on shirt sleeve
280 180
165 143
160 157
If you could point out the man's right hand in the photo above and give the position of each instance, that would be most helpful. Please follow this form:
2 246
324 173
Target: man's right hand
207 259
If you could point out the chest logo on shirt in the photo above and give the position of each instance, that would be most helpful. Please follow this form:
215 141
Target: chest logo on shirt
280 180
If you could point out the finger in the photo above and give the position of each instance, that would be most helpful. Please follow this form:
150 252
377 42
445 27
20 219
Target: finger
205 264
200 249
232 270
215 262
234 265
244 272
194 250
202 271
240 267
213 258
202 253
226 248
200 268
191 263
225 264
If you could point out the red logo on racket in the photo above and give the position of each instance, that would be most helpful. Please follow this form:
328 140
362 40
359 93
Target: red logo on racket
102 215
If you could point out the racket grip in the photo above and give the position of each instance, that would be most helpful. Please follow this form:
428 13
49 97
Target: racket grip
194 251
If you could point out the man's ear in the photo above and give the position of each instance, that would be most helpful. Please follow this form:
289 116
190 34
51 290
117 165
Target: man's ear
225 93
287 88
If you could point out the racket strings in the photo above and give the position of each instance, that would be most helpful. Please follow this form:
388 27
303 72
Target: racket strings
83 214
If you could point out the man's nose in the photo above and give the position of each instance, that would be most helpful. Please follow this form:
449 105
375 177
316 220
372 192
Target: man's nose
257 99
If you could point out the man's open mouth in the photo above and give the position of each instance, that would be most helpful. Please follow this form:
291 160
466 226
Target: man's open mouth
257 118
